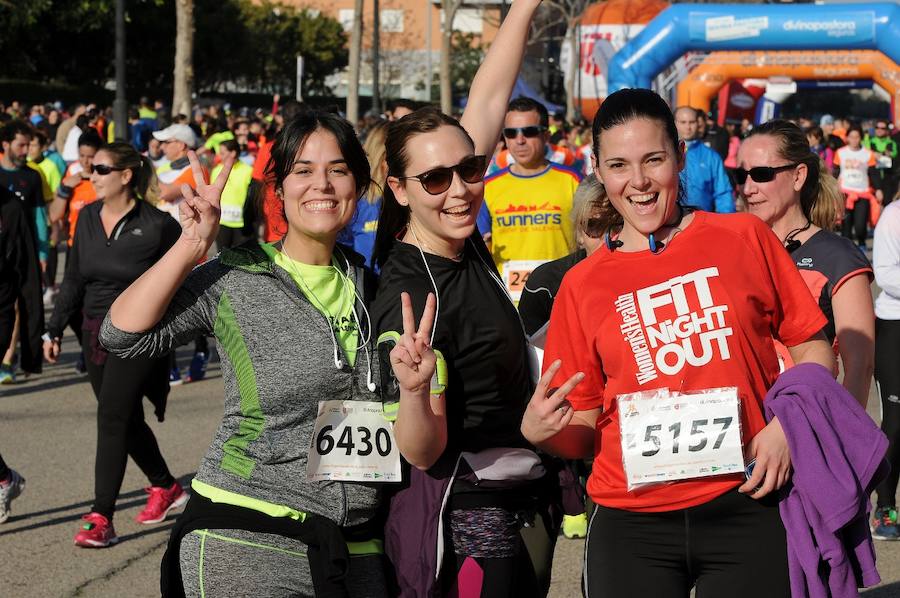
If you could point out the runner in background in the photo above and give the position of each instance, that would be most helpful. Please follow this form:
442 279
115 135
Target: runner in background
792 191
175 141
237 219
26 185
360 233
19 282
705 182
660 261
886 152
862 205
526 211
117 239
886 259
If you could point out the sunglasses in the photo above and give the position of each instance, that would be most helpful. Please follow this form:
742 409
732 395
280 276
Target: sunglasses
513 132
593 228
103 169
438 180
761 174
881 126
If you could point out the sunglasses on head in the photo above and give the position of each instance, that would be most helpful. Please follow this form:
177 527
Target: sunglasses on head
760 174
103 169
531 131
438 180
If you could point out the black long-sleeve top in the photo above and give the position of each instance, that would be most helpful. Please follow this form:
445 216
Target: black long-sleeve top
103 266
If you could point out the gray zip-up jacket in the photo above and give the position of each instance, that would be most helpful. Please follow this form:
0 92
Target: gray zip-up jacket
278 362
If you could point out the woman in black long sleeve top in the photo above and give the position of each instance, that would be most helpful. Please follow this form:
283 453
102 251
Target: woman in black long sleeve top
116 240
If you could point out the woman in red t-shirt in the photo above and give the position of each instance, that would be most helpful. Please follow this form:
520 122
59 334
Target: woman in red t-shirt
689 302
798 202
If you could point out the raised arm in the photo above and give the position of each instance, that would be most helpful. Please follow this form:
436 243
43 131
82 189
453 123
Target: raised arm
143 303
494 81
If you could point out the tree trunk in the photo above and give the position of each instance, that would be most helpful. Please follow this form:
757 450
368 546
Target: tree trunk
184 57
574 69
376 56
353 69
449 7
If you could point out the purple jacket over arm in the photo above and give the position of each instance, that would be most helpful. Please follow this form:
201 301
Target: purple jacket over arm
837 453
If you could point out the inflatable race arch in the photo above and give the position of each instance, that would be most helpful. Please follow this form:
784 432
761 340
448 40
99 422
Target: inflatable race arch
712 27
718 68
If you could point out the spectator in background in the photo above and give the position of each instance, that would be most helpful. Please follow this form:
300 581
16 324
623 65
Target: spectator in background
885 150
70 145
830 139
816 137
235 219
399 108
714 137
704 179
360 233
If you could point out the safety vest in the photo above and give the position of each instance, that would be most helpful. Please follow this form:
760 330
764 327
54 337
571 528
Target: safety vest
235 193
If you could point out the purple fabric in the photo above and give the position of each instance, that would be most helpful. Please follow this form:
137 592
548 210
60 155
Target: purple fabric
411 530
837 453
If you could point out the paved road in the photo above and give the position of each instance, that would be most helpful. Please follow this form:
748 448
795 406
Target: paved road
47 431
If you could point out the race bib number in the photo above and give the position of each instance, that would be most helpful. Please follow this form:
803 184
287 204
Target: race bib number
232 214
668 437
515 275
884 162
352 442
854 179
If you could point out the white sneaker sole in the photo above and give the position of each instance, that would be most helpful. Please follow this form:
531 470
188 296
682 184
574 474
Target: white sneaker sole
179 502
97 543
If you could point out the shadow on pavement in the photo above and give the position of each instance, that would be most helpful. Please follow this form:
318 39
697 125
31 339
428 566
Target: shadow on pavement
167 527
82 507
20 388
891 590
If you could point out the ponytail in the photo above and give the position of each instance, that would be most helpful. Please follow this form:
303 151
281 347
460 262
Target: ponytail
829 200
145 183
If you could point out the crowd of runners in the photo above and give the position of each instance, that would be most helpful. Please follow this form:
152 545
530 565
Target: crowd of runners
441 351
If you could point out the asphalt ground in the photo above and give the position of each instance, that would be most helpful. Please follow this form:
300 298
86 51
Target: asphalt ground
48 433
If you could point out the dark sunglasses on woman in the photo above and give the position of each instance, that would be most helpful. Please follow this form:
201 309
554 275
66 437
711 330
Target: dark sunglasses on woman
103 169
438 180
760 174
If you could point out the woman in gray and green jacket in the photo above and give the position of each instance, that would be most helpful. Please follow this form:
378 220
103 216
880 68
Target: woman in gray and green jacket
292 329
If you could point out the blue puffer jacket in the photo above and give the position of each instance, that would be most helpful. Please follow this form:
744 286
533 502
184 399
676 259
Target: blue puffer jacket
704 180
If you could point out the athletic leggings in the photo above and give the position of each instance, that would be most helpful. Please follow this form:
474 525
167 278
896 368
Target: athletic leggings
221 563
887 374
523 574
120 386
856 221
732 546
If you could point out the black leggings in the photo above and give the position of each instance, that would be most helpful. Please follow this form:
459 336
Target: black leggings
887 374
731 546
4 469
856 221
120 385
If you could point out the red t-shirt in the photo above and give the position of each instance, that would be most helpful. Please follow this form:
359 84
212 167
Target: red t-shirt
701 314
273 212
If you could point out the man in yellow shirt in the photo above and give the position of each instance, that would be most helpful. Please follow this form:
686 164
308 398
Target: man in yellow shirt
525 217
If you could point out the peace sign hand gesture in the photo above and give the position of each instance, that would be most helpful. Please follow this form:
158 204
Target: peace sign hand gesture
199 212
548 411
413 359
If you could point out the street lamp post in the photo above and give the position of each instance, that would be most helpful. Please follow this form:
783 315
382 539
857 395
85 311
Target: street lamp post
120 104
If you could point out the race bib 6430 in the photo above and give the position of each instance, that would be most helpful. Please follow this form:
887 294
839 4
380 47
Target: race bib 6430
352 442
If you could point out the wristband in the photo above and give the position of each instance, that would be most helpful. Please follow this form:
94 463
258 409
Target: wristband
64 191
49 339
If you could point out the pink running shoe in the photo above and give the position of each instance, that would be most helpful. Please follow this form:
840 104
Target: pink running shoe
160 502
98 532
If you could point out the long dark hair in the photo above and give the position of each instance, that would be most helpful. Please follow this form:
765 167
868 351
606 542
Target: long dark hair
394 217
620 108
820 194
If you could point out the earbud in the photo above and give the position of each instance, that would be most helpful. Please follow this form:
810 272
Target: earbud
654 246
610 244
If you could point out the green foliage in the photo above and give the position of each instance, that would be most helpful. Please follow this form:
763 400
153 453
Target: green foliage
241 42
467 55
